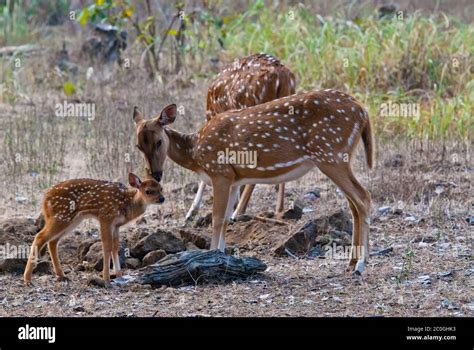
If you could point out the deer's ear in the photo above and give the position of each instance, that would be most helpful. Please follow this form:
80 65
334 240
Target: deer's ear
167 115
134 180
137 116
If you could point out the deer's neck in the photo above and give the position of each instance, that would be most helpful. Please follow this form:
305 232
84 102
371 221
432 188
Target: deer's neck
134 206
181 148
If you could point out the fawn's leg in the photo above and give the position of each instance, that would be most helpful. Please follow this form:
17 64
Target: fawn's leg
52 229
221 191
280 205
194 209
53 252
115 251
359 202
106 236
244 201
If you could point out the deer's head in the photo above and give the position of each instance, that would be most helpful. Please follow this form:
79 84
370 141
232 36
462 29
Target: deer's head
152 140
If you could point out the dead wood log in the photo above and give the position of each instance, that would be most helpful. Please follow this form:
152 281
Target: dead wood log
192 267
8 50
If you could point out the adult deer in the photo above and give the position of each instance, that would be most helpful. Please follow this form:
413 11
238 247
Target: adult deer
246 82
290 136
66 204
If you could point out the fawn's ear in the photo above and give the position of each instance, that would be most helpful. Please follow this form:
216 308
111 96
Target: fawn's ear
167 115
134 180
137 116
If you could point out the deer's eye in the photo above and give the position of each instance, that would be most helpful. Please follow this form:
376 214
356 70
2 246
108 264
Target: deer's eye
149 192
158 144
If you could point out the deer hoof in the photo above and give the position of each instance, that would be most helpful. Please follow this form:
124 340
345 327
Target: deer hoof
359 267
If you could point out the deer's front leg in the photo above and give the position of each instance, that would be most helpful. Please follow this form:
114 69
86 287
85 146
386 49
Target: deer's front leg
196 202
115 251
221 194
244 201
107 240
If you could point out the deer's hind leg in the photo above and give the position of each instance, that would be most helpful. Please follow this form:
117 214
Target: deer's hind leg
52 230
359 203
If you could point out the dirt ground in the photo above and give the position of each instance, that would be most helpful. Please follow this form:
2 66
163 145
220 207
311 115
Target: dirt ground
429 272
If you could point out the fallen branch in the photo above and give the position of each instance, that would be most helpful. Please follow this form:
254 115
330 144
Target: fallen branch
8 50
272 221
192 267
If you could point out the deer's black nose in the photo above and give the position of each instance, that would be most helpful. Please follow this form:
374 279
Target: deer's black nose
157 175
161 199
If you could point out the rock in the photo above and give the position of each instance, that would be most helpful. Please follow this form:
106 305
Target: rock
337 226
159 240
341 237
340 220
383 210
425 279
294 213
132 263
395 162
191 246
316 252
153 257
312 195
301 241
204 221
84 248
12 265
43 267
198 239
18 226
96 281
243 218
17 265
470 220
95 258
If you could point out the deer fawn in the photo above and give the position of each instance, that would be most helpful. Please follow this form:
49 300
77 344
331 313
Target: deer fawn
113 204
246 82
290 136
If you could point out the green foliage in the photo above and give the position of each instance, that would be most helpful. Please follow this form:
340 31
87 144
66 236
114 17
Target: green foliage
116 13
423 60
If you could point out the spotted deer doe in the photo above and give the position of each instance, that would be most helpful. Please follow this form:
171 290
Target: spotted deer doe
66 204
291 136
246 82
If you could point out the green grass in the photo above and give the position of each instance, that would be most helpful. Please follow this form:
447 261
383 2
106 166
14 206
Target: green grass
419 59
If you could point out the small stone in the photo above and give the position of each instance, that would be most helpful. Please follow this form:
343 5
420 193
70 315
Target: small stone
96 281
424 279
294 213
132 263
153 257
383 210
312 195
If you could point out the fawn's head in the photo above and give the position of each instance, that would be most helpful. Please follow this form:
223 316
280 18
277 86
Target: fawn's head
152 140
149 189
